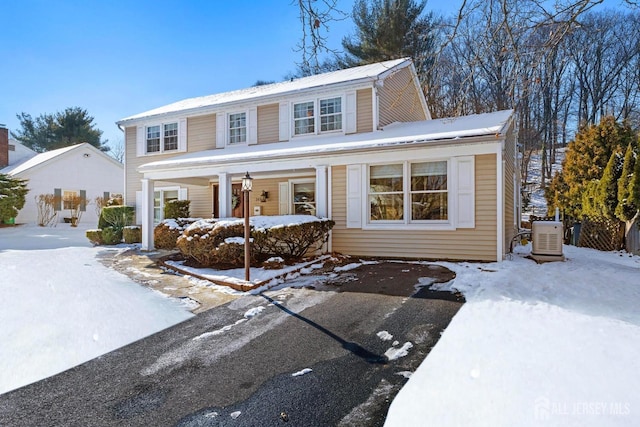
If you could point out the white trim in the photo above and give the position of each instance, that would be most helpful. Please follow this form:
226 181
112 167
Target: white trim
224 195
147 214
292 182
321 194
315 99
141 137
330 207
227 129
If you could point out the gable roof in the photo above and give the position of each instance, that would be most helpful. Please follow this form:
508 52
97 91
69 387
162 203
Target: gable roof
364 73
447 130
47 157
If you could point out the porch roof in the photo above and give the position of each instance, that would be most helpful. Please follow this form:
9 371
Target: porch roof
454 129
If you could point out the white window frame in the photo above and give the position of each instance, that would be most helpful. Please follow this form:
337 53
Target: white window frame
162 190
317 117
228 128
407 222
162 138
292 203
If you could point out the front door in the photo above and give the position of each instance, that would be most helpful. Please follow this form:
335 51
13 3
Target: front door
237 203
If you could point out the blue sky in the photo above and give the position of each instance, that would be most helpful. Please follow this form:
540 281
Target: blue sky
116 58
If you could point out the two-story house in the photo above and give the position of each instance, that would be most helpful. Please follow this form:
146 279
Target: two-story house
356 145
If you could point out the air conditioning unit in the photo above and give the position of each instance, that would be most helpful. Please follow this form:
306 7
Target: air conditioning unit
546 239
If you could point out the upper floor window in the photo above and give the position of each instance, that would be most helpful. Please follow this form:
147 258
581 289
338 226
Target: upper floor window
162 138
327 112
237 128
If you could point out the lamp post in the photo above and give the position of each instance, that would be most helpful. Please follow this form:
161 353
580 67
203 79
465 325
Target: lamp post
246 188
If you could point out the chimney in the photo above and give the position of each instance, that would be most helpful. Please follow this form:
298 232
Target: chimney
4 146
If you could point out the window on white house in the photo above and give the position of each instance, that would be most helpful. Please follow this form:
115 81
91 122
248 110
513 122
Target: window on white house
153 139
70 198
408 192
303 118
304 198
171 136
161 138
330 114
237 128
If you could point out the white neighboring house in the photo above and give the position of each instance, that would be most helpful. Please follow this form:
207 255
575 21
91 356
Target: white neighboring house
18 153
81 170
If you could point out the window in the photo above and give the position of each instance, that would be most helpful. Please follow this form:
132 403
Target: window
237 128
161 138
303 118
304 198
160 197
429 200
328 114
170 136
153 139
70 199
408 192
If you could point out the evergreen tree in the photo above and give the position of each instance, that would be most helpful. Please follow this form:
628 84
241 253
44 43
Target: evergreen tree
627 207
12 196
606 197
392 29
634 187
586 158
62 129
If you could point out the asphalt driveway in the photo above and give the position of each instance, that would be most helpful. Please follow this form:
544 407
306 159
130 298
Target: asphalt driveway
332 353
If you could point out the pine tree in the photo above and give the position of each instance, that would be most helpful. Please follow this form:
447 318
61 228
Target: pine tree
585 161
12 196
627 207
606 196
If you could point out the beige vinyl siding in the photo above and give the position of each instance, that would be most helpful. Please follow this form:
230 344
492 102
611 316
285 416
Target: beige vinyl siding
364 110
201 205
510 170
464 244
201 133
268 124
399 100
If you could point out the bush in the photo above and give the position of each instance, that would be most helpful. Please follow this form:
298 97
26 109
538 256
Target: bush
117 217
208 243
95 236
201 241
167 232
111 235
132 234
293 241
177 209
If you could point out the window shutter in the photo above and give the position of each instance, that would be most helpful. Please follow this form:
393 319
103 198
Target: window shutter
182 194
283 197
57 199
354 196
464 172
350 112
252 126
138 207
83 200
284 121
182 135
140 141
221 130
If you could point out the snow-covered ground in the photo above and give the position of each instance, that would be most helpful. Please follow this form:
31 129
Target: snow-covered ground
59 306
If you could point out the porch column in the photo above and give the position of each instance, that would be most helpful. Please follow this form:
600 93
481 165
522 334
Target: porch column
224 195
322 192
147 214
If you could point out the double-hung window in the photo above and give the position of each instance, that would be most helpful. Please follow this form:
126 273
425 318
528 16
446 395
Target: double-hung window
161 138
325 111
237 128
304 197
408 192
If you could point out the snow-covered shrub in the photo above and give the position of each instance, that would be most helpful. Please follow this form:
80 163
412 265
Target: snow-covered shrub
292 240
273 263
201 242
111 236
95 236
132 234
167 232
177 209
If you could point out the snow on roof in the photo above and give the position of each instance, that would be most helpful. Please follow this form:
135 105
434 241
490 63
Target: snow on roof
40 159
370 71
452 128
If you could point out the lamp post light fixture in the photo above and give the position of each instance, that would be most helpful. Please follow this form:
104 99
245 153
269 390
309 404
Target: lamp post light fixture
246 188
